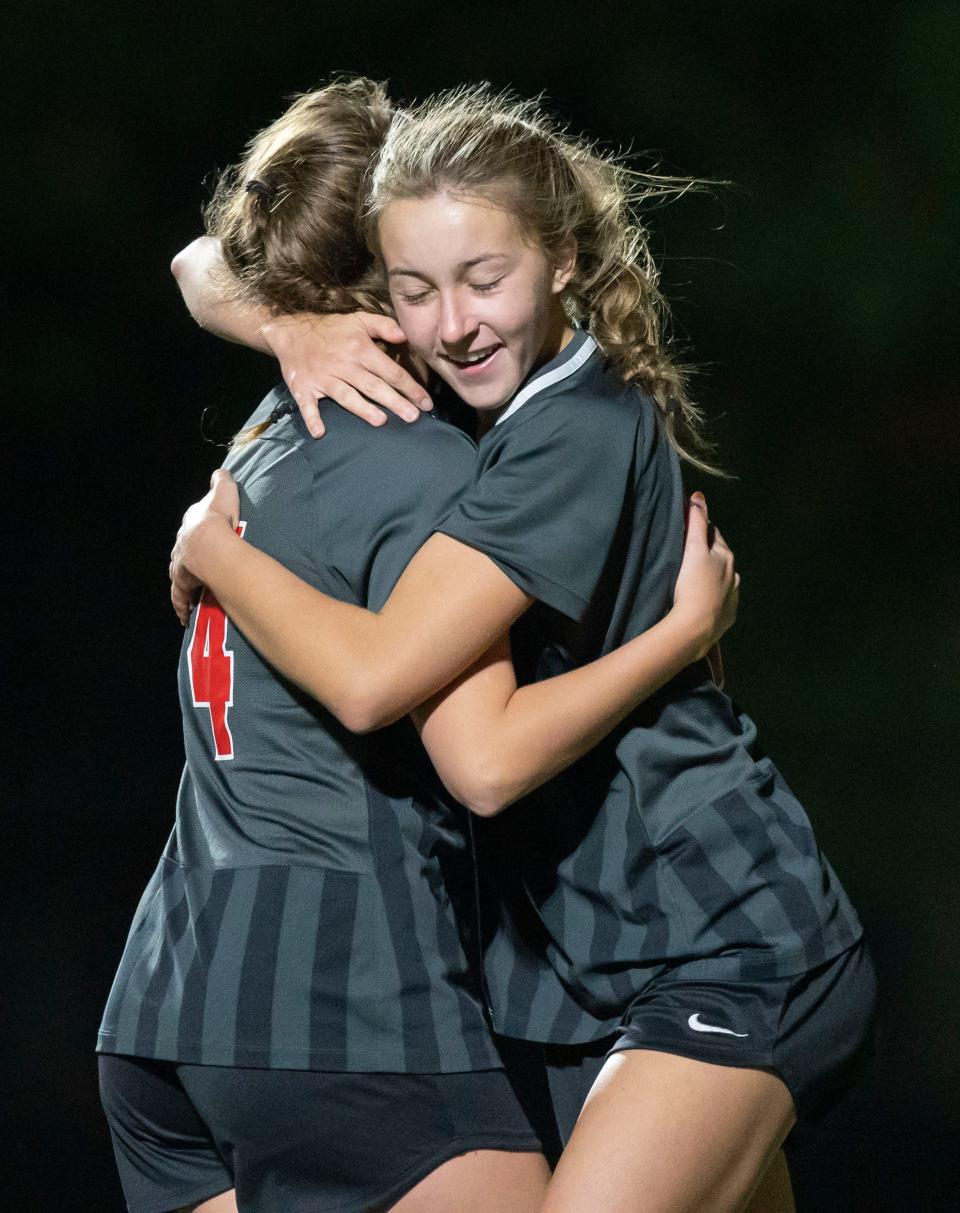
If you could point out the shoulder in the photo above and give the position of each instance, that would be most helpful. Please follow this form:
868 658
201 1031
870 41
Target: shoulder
277 397
596 413
253 457
351 449
605 399
395 475
429 439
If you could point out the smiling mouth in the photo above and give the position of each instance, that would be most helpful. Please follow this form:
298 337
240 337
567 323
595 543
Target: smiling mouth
474 361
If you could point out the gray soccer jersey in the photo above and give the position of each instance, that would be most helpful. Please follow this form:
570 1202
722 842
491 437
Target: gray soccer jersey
305 911
671 842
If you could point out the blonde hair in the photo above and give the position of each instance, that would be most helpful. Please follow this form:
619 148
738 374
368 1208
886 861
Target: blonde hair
286 214
472 141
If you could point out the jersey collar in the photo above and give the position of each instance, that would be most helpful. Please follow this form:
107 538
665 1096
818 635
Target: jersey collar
571 358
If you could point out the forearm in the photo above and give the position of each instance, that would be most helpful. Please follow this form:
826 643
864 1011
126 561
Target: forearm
367 668
206 285
546 726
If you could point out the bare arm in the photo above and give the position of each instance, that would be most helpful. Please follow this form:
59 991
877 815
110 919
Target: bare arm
369 669
335 356
492 742
206 285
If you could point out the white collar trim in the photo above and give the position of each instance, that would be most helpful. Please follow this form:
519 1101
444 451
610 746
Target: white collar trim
549 378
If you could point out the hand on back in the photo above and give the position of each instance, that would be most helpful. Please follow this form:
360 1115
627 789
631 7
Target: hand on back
340 357
220 506
708 585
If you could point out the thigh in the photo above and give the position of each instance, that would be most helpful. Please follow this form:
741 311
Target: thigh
661 1133
481 1181
166 1156
774 1192
226 1202
309 1140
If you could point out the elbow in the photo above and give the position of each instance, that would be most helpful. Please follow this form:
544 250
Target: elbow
182 262
485 790
191 268
374 694
358 718
364 708
486 805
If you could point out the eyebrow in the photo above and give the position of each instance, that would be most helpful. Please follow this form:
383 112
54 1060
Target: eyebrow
464 265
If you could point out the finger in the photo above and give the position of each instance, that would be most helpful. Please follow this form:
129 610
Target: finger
382 328
697 520
223 499
179 604
377 389
309 409
347 396
183 597
182 581
392 373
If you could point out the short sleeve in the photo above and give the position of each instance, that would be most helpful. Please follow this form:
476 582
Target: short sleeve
411 477
548 503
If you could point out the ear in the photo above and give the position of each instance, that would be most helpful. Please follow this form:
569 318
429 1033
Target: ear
564 264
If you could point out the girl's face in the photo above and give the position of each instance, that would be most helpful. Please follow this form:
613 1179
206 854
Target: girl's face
477 300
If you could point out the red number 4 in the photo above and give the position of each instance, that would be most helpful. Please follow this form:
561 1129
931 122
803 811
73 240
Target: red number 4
211 669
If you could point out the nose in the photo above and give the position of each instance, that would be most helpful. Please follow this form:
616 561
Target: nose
457 324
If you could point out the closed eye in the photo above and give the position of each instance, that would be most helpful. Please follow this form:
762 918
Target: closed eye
418 298
487 286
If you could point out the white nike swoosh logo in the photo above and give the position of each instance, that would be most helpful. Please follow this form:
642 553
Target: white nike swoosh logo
694 1022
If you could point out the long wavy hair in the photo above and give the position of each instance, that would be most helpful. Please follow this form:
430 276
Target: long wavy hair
473 142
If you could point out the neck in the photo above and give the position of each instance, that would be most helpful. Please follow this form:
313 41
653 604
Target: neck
486 420
559 335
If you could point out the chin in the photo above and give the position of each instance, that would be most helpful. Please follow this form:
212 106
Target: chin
483 402
488 396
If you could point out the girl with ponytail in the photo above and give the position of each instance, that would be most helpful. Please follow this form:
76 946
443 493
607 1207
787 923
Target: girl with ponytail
662 904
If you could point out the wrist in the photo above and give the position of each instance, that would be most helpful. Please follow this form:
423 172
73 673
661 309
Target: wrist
692 630
271 333
204 543
280 331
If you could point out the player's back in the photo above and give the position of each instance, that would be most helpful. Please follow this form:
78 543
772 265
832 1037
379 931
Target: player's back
269 772
304 912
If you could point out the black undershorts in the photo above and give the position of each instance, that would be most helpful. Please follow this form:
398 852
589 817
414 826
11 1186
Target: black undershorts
813 1031
303 1140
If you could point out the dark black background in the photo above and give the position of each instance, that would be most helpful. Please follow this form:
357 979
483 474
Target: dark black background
817 299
